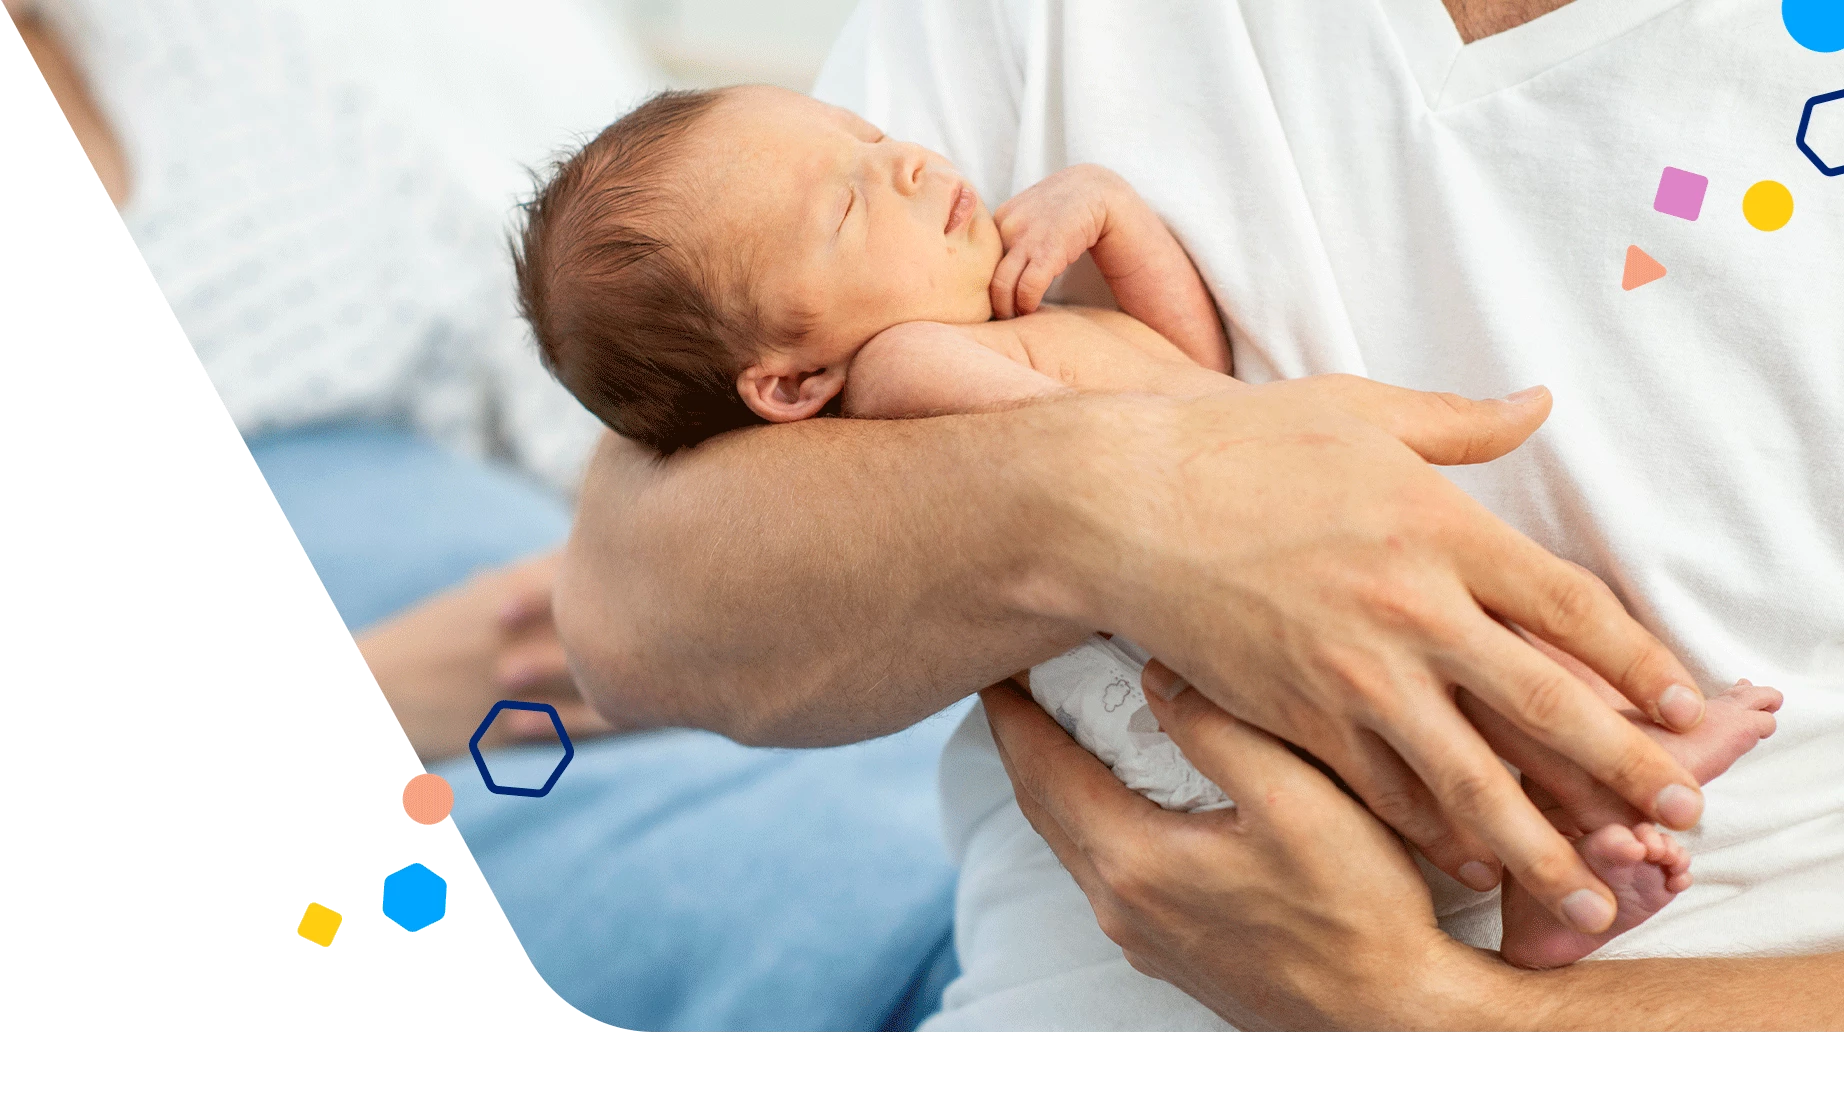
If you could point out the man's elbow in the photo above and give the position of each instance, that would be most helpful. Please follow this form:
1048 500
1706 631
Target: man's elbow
638 682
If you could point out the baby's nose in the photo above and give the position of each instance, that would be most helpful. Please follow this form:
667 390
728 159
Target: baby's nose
910 165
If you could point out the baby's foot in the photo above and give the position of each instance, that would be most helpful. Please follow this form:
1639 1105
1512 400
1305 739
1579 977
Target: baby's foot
1643 865
1733 722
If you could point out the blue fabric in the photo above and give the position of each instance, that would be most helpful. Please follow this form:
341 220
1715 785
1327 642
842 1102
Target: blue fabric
672 880
389 519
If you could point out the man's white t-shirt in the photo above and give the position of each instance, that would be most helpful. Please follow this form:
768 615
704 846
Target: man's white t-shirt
1365 194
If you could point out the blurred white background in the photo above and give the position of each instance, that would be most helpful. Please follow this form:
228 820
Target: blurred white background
454 105
722 42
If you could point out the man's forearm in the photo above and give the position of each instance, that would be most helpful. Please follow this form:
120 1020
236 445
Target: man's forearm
1671 994
821 582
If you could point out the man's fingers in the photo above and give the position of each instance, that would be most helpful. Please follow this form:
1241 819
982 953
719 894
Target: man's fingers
1587 803
533 664
1540 698
1573 610
1392 791
1480 795
1442 428
1248 763
525 608
1009 714
1069 797
1387 786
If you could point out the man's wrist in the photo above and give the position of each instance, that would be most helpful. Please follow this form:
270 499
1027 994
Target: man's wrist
1477 991
1092 468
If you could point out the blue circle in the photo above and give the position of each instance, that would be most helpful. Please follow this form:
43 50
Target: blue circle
1815 24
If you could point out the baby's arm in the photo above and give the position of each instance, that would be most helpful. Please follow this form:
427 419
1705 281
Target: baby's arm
1088 208
923 368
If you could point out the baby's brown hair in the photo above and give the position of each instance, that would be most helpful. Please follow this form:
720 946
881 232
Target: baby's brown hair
626 317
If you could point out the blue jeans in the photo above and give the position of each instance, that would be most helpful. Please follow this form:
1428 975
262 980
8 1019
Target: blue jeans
672 880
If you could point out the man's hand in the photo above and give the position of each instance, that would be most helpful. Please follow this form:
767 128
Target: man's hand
445 661
1297 909
1283 546
1311 575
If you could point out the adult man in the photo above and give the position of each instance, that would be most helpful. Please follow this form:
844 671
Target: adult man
1293 565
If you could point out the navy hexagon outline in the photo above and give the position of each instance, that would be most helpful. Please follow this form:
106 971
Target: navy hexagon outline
473 746
1805 122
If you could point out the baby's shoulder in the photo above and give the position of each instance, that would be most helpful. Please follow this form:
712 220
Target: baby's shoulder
1050 331
905 343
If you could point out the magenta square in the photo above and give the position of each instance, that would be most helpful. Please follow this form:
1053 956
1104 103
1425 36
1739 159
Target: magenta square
1680 193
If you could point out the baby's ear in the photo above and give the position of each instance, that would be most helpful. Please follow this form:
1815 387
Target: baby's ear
779 391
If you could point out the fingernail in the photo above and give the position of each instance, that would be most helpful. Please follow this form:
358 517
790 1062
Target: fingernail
1478 876
1678 806
1526 394
1680 708
1588 912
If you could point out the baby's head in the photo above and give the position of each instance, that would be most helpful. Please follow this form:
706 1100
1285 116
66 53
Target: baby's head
715 259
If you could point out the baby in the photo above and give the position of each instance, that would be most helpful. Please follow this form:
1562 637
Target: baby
740 256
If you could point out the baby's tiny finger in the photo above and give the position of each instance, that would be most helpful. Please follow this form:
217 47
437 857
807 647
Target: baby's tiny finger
1032 285
1004 284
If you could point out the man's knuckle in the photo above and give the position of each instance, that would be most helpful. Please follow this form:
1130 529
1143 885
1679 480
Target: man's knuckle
1569 605
1354 675
1542 701
1115 924
1129 874
1400 606
1649 662
1631 766
1470 791
1551 869
1455 404
1400 808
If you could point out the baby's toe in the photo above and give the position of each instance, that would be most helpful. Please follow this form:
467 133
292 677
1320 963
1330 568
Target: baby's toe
1652 838
1677 858
1760 698
1611 846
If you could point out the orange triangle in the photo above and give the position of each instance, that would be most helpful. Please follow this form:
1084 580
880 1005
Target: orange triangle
1641 268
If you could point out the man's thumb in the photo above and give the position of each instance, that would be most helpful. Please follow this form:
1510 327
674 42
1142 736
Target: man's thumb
1442 428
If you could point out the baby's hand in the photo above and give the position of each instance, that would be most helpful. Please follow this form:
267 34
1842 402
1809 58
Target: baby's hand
1045 229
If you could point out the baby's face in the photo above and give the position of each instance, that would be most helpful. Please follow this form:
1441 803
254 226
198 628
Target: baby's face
842 230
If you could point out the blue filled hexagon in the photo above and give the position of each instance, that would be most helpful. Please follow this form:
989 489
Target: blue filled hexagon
486 774
414 897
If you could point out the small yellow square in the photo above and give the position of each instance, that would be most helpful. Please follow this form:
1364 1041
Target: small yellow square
319 924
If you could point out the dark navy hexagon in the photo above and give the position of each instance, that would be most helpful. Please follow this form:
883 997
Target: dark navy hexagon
1824 144
414 897
480 762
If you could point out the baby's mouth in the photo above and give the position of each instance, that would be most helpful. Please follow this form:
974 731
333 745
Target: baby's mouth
961 210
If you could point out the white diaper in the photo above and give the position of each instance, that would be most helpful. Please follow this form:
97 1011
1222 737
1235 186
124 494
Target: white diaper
1093 691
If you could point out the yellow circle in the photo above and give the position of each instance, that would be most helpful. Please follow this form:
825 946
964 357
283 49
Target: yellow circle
1768 205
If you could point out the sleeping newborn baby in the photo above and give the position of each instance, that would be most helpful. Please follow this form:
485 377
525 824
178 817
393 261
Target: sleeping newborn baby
742 256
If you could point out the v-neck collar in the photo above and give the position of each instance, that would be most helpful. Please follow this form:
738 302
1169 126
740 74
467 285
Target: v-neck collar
1452 72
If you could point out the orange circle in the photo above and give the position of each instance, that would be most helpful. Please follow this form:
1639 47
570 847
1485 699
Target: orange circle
428 798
